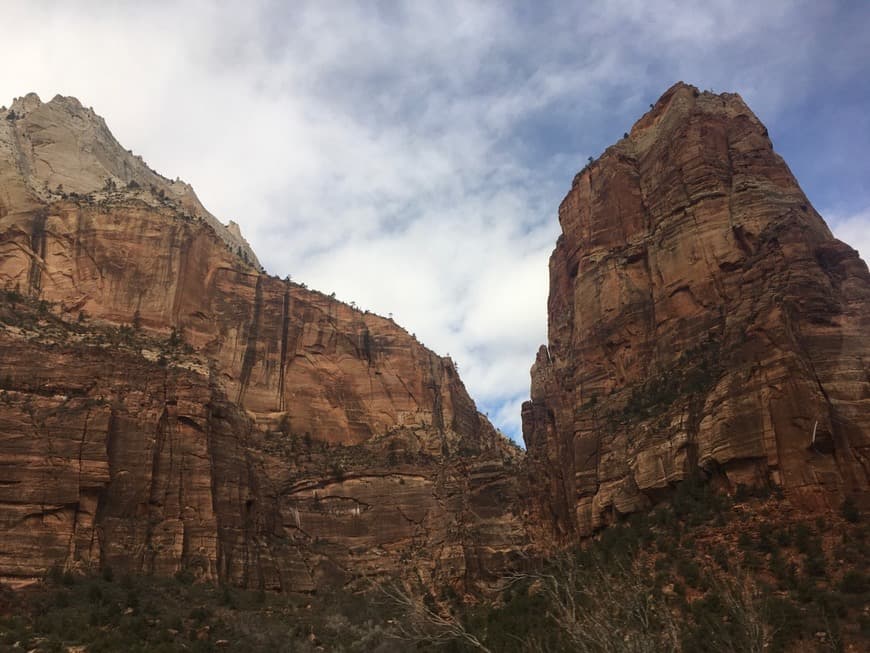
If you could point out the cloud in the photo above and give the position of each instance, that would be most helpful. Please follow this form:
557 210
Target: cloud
852 228
411 156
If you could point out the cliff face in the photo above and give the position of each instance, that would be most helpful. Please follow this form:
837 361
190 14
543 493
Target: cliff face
701 318
166 407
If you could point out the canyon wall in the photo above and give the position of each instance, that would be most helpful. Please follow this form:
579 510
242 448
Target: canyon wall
702 320
167 407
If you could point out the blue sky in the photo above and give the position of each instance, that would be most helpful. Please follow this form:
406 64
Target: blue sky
410 156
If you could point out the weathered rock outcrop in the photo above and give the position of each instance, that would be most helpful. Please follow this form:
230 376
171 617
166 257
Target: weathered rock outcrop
60 148
701 317
165 406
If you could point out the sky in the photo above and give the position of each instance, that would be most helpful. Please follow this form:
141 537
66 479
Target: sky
411 156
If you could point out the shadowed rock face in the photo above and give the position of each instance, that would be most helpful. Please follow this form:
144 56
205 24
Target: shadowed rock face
701 317
239 426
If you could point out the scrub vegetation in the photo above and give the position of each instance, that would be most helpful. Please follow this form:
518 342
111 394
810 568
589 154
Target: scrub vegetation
700 573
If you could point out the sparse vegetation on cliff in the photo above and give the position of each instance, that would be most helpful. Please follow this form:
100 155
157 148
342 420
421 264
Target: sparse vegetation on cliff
690 377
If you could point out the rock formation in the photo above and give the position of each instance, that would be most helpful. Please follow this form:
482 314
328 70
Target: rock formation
702 319
167 407
59 148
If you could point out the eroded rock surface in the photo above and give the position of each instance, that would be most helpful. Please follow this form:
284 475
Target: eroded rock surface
701 317
61 148
164 406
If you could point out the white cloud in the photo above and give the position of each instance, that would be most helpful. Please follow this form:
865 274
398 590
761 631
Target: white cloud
408 156
852 228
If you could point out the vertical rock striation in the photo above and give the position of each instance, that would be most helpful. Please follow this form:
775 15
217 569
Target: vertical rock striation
165 406
701 318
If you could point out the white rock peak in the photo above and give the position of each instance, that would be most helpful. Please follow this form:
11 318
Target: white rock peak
61 146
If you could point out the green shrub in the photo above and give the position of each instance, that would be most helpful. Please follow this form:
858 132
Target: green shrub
814 565
786 621
745 492
200 614
95 594
783 537
803 538
690 571
695 502
185 576
766 542
61 600
849 511
720 555
855 582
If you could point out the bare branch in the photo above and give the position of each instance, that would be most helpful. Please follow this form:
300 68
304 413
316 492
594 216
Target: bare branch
422 622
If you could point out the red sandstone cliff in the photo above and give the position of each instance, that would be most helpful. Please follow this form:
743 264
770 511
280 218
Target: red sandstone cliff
166 406
701 317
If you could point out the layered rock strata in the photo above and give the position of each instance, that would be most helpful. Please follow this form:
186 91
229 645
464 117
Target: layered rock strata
702 319
166 407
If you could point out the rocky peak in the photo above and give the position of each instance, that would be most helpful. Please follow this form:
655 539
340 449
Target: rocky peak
681 99
24 105
702 319
62 147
